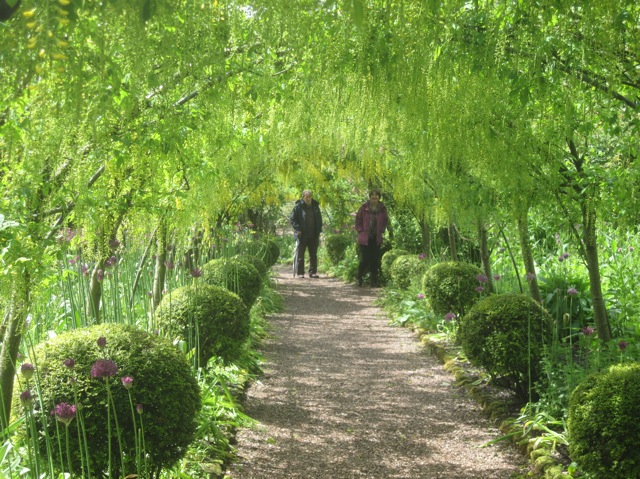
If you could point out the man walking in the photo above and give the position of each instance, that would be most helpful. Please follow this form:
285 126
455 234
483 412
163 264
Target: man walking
306 220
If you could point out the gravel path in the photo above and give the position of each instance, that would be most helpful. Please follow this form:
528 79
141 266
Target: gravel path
346 396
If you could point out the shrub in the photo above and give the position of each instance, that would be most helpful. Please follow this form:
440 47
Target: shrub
267 250
451 286
235 274
258 264
163 384
387 260
603 423
210 318
336 246
505 334
406 269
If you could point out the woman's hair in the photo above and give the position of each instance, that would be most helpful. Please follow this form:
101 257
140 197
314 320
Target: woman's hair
376 191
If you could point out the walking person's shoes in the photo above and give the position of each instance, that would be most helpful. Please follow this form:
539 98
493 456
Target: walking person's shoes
359 281
313 275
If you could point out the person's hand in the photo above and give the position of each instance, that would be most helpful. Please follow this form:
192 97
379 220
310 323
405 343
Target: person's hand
299 233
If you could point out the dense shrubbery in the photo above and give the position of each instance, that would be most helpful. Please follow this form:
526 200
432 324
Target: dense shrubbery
505 334
407 269
387 260
603 423
210 318
267 250
336 246
451 286
73 369
258 264
237 275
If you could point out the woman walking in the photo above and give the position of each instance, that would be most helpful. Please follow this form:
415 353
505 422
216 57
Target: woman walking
371 223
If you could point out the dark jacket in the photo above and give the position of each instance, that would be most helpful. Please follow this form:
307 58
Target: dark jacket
298 219
363 219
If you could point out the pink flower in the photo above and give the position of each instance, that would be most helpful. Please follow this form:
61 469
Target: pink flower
26 398
196 273
127 382
479 289
530 276
623 345
497 277
64 413
104 368
482 278
139 408
450 316
572 291
588 330
420 296
69 363
101 342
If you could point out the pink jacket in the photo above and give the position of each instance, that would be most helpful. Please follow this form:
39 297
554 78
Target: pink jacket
363 219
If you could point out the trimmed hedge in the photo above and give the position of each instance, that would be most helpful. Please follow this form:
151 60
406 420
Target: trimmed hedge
407 269
505 334
604 432
210 318
451 286
163 384
237 275
387 260
336 246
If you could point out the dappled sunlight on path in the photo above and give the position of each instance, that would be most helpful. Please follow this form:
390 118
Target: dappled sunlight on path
346 396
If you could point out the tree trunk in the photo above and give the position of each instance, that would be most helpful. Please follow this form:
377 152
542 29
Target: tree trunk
484 255
527 256
591 250
426 238
18 310
452 241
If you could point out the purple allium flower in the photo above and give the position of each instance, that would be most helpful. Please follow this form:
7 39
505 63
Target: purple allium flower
497 277
127 382
422 256
104 368
482 278
561 258
623 345
26 398
565 255
479 289
169 265
139 408
73 260
631 249
588 330
420 296
450 316
114 244
150 294
64 413
84 269
620 250
100 275
69 363
27 370
196 273
530 276
558 238
572 291
101 342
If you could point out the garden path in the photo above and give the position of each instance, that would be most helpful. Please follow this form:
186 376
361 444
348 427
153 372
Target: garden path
346 396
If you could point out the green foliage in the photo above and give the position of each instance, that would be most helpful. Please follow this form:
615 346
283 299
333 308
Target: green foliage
406 270
163 384
268 250
388 258
506 334
603 423
451 286
211 319
235 274
570 308
336 246
406 231
258 264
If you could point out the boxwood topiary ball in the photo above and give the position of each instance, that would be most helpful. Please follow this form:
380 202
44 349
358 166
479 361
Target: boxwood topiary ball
451 286
388 258
406 269
604 432
336 246
505 334
236 275
210 318
257 263
69 370
267 250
